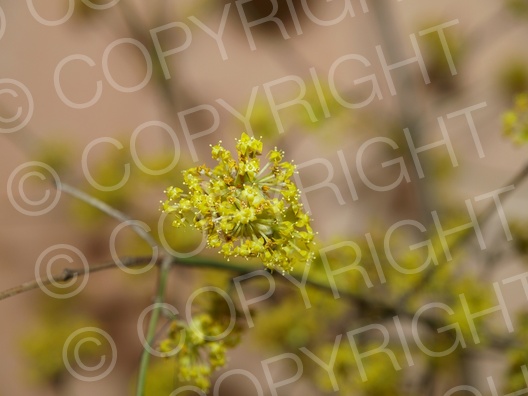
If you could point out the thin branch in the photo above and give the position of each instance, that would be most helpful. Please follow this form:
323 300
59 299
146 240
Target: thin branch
105 208
482 219
68 274
167 262
377 306
165 267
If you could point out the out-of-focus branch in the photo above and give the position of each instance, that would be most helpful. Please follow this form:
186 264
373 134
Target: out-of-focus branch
110 211
408 102
458 243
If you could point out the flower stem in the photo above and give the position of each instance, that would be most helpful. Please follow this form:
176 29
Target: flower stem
151 332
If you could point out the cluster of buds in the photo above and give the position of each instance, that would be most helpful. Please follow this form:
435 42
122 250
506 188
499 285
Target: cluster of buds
200 352
246 210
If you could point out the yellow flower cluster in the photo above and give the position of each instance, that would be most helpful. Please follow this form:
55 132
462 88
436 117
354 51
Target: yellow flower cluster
199 352
245 209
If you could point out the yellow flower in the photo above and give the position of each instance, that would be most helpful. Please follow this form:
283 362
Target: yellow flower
246 210
199 351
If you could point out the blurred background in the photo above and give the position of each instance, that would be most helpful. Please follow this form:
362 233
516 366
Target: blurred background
117 97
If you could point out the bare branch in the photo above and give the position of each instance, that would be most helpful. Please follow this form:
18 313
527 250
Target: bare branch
482 219
105 208
68 274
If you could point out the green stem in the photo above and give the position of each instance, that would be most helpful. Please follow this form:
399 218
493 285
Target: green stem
151 332
204 262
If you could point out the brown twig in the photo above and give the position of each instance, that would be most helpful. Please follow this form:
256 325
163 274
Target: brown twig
68 274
